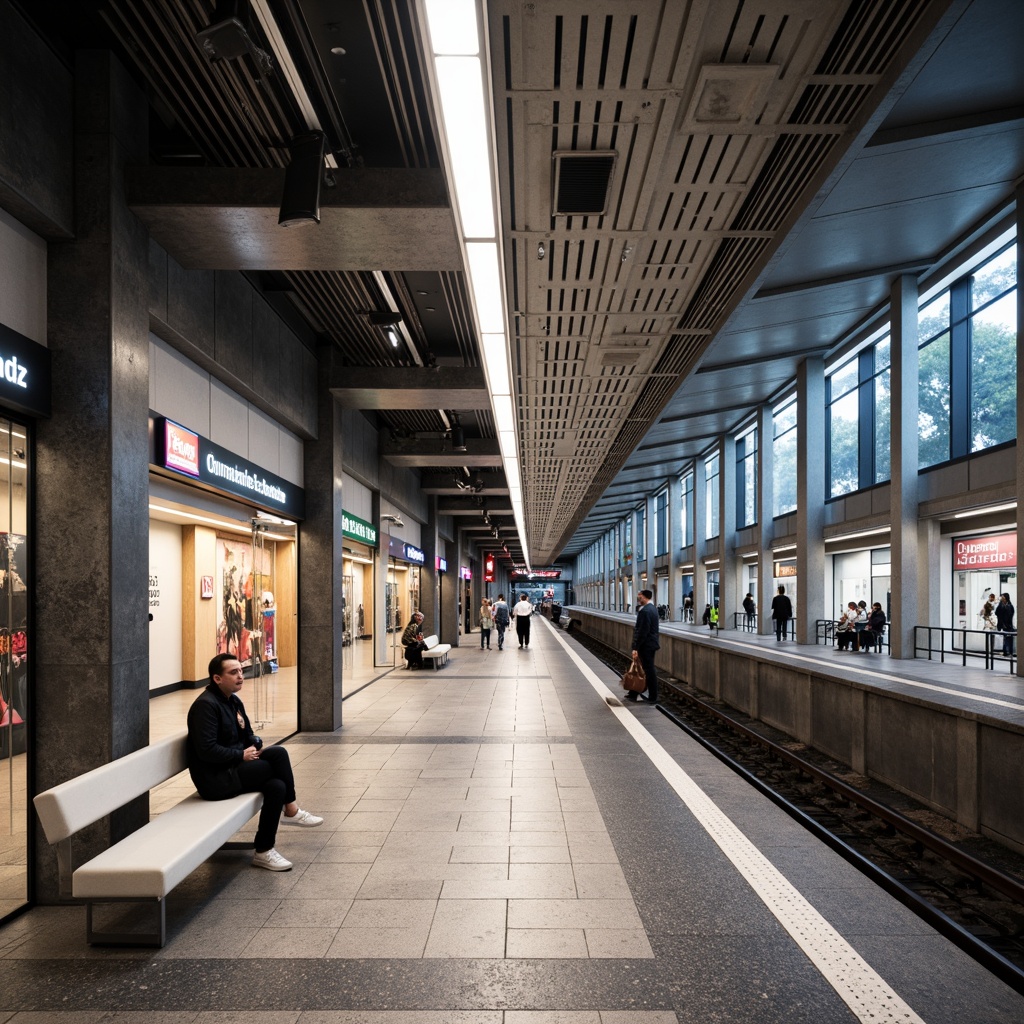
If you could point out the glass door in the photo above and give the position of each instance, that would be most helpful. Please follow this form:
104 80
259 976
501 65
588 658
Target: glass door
14 661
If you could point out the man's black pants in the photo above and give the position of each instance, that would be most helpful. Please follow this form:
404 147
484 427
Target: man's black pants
271 775
646 655
523 630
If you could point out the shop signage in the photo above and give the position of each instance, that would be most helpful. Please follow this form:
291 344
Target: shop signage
413 554
464 573
489 569
24 373
784 569
358 529
441 564
536 574
183 451
989 551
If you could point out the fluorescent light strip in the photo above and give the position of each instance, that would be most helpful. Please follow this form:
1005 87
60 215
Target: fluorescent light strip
224 524
1010 506
454 30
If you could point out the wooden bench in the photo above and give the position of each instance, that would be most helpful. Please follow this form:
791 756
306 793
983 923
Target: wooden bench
146 865
436 652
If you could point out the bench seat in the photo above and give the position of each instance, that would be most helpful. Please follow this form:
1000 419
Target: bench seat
436 651
148 863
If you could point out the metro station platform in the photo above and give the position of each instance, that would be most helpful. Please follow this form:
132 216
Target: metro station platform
502 846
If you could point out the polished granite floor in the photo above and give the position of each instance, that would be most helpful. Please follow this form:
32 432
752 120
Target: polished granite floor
498 848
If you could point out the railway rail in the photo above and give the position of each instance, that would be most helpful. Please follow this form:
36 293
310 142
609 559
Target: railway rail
967 887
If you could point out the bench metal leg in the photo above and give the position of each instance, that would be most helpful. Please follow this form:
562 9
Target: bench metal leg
157 938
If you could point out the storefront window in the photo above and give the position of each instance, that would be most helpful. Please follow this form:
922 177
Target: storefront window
15 651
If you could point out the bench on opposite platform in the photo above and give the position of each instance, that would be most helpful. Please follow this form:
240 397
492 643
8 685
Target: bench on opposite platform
147 864
435 651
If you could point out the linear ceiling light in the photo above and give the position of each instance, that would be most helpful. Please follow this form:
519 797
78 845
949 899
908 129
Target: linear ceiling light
454 29
1010 506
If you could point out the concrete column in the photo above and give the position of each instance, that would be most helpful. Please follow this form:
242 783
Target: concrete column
1020 416
765 518
903 389
429 604
810 498
321 620
700 544
91 646
730 600
675 544
650 544
635 564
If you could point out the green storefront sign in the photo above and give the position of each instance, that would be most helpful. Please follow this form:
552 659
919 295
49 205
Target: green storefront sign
358 529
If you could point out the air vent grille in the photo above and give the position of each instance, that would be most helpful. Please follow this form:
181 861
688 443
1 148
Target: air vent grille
581 182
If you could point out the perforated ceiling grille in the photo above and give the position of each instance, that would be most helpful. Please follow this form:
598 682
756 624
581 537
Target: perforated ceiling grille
722 118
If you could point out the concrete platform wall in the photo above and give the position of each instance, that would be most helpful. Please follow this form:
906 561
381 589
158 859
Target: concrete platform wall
963 765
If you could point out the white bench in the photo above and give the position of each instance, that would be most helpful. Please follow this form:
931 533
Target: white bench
146 865
436 652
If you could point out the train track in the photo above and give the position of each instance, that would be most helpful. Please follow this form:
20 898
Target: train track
968 887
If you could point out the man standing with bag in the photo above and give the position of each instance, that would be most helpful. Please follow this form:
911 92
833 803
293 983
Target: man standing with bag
645 643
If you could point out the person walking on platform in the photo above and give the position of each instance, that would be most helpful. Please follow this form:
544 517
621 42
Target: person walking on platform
713 616
225 758
645 643
749 612
782 612
412 641
1004 620
500 613
486 623
521 612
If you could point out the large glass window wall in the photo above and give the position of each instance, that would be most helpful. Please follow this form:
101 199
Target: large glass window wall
686 510
746 478
661 523
784 460
711 497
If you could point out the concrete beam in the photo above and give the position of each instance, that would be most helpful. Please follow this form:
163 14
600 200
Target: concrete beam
462 388
413 453
225 218
444 483
469 507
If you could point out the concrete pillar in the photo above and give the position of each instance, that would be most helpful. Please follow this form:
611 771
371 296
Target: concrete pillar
700 544
429 542
321 619
765 518
810 497
1020 413
675 544
730 600
91 647
903 388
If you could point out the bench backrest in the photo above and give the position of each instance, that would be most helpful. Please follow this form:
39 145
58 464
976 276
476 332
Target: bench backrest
430 641
69 807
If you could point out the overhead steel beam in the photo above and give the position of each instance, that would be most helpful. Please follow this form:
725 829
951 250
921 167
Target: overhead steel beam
225 218
469 507
494 483
414 452
462 388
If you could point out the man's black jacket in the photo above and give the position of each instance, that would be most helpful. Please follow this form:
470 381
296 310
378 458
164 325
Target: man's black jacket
217 741
645 635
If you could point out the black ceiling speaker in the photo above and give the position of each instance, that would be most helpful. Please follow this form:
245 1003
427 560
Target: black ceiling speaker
458 439
300 203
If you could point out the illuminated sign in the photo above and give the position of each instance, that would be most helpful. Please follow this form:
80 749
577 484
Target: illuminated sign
989 551
24 373
537 574
358 529
180 450
441 564
414 554
489 569
464 573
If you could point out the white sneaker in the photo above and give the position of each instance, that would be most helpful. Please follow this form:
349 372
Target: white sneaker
271 860
302 818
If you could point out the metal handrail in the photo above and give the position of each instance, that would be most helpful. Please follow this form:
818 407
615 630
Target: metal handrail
981 649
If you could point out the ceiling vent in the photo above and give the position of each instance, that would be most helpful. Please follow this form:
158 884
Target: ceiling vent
581 182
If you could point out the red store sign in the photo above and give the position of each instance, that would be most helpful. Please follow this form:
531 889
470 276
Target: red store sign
990 551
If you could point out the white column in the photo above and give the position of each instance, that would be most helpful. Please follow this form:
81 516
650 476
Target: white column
765 518
810 497
903 385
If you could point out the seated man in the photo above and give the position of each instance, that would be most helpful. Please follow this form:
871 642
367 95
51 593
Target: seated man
412 641
225 759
